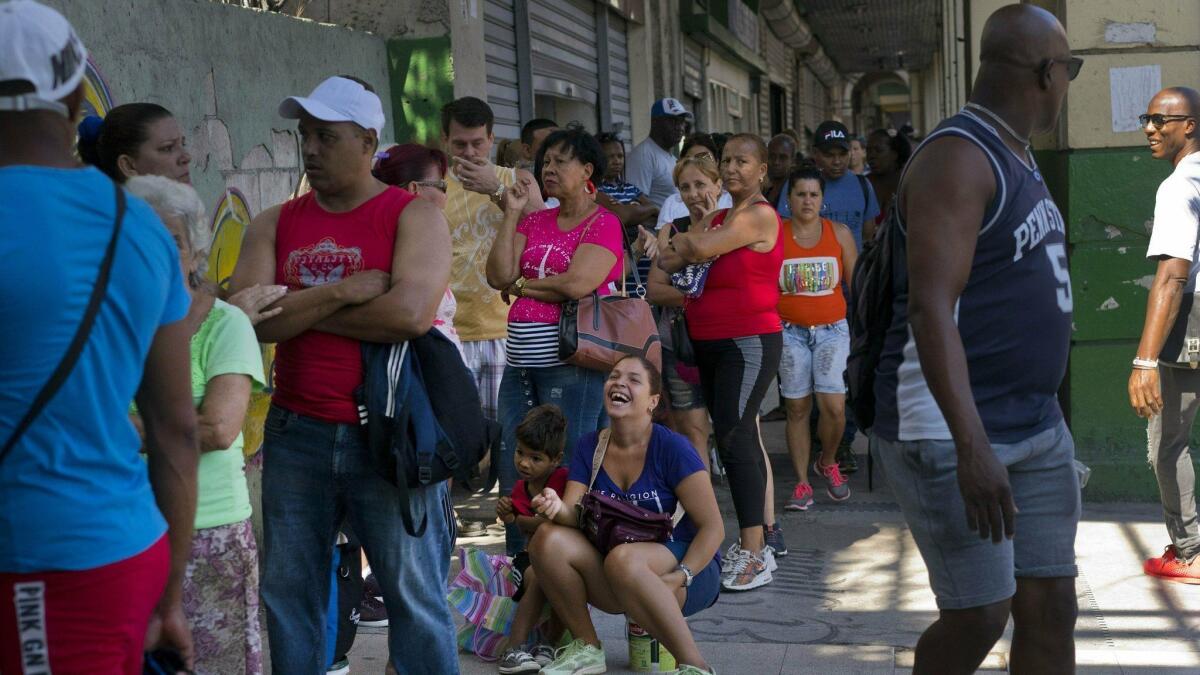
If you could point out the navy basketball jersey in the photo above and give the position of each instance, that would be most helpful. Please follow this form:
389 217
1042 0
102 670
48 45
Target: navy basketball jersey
1014 314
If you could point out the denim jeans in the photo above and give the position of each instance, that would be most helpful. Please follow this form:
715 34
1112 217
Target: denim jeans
315 474
578 392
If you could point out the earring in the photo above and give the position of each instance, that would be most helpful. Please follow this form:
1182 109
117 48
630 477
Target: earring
590 187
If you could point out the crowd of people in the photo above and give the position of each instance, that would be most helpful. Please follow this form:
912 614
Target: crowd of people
126 533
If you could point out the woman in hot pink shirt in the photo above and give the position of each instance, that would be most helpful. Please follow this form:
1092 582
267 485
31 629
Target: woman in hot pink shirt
548 258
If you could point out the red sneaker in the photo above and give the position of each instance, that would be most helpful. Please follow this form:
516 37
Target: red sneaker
1172 568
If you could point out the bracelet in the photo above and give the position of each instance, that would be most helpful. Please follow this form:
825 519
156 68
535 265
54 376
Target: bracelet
1145 364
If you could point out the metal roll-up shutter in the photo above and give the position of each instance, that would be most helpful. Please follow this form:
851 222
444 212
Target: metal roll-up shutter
500 50
618 59
562 36
693 73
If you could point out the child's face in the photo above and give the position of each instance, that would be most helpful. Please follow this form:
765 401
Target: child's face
534 464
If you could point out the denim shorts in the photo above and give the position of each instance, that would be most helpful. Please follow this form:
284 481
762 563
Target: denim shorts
964 570
814 359
706 585
684 395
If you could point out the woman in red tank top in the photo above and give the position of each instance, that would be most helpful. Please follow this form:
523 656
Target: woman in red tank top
735 330
819 257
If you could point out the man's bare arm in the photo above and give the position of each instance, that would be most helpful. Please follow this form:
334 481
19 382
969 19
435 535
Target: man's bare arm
164 401
950 187
1162 308
420 275
302 309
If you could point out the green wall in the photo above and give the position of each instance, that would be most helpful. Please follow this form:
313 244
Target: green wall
422 81
1107 198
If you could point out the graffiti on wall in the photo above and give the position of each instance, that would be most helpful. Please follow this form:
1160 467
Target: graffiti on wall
97 99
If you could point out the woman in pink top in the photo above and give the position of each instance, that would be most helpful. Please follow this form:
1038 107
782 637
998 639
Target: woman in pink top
737 337
550 257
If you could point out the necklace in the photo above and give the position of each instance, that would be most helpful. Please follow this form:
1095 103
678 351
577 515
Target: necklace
1023 140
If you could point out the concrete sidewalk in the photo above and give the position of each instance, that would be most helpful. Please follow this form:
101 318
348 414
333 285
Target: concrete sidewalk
852 596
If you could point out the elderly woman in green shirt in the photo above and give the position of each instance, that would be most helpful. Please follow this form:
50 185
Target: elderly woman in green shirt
220 590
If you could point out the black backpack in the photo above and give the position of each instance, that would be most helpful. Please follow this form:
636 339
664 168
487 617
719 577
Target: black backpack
872 291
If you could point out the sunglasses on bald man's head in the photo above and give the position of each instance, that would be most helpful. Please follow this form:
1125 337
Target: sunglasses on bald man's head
1160 120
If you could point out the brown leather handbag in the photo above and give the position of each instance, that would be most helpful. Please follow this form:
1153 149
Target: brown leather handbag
596 332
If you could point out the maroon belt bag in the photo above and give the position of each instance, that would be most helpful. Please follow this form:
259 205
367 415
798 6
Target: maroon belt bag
609 522
596 332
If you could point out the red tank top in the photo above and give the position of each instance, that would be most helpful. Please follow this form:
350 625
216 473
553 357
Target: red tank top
740 295
316 373
811 279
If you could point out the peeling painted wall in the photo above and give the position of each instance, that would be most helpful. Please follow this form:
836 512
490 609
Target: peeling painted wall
223 70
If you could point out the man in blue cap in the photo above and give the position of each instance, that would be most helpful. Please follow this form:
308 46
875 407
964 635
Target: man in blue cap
651 162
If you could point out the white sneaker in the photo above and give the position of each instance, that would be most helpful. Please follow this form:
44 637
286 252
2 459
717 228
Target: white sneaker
730 555
768 554
747 572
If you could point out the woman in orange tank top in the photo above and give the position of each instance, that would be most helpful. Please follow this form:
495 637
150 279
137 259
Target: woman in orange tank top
819 257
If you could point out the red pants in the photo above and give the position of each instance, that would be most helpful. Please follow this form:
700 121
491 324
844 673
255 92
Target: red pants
93 621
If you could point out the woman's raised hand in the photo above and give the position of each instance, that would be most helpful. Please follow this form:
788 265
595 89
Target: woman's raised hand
516 197
548 504
648 241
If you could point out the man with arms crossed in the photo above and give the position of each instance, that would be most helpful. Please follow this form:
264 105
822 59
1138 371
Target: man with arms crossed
362 262
1165 383
968 426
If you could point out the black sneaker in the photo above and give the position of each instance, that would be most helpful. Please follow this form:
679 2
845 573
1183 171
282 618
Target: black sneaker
846 459
371 587
372 612
774 538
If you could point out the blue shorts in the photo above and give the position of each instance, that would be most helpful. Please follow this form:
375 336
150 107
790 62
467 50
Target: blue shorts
814 359
706 585
964 570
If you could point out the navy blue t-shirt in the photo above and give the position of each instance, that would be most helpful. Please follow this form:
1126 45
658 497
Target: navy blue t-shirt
1014 315
669 459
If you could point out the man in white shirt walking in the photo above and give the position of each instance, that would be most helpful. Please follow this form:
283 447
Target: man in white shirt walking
1165 384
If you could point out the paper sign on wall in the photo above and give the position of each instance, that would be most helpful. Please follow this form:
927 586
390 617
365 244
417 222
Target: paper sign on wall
1131 90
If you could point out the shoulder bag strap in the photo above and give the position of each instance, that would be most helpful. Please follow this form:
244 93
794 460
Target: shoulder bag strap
598 455
862 183
81 333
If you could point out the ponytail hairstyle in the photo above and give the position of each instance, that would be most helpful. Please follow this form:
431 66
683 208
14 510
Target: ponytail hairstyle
101 143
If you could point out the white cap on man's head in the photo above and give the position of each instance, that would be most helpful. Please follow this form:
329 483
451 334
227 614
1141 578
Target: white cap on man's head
38 47
338 99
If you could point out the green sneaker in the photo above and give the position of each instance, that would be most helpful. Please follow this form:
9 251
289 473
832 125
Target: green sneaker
685 669
577 658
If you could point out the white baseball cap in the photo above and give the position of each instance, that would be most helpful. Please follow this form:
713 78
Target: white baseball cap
39 46
338 99
669 107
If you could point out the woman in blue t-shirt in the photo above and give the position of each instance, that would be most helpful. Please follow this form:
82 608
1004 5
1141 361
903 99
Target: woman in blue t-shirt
655 585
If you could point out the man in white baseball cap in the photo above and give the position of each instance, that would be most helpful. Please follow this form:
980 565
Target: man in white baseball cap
362 261
651 162
91 559
339 99
38 48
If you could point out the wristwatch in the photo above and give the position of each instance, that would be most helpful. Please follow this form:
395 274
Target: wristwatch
518 287
687 575
1145 364
498 194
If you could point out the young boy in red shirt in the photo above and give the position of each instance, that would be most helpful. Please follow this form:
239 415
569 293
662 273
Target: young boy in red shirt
540 440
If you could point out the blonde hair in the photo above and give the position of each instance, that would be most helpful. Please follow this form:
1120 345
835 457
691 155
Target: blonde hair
704 165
